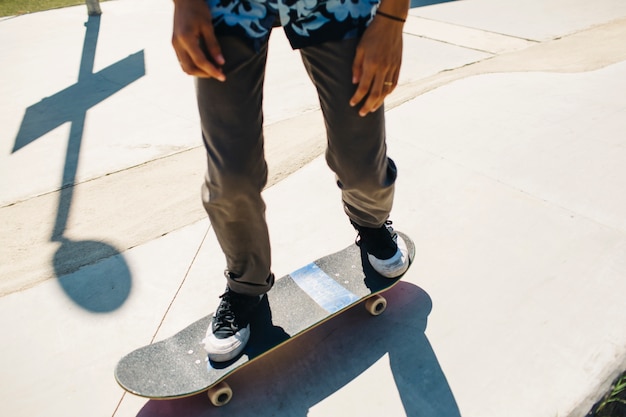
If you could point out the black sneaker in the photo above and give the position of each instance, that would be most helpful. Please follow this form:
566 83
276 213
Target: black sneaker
230 328
386 251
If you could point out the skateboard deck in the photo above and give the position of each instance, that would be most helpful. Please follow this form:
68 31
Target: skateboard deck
178 367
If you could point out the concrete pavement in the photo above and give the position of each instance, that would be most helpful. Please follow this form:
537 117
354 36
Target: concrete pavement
507 127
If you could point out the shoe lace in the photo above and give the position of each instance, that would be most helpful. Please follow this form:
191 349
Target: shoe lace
233 310
225 314
377 241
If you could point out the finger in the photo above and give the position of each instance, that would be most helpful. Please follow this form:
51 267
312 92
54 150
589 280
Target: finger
382 86
396 77
184 48
190 68
357 78
206 57
389 85
379 89
363 93
357 66
194 57
211 50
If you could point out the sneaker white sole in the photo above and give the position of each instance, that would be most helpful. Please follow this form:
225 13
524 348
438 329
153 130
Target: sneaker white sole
222 350
394 266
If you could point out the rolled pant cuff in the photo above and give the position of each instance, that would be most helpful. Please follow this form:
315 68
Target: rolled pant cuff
247 288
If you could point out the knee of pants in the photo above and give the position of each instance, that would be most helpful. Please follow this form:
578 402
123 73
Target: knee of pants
233 193
366 178
235 173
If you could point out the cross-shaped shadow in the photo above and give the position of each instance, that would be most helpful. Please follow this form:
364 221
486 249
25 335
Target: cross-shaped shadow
71 105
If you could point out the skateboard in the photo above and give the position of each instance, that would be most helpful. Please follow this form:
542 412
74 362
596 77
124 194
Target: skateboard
179 367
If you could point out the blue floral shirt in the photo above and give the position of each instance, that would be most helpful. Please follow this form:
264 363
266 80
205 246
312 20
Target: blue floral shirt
306 22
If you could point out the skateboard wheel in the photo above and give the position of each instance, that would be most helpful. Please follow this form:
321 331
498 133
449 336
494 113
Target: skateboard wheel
220 394
376 305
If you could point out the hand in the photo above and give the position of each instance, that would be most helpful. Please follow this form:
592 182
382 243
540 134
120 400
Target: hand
376 66
194 40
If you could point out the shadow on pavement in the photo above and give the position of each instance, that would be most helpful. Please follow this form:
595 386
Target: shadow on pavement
316 365
70 106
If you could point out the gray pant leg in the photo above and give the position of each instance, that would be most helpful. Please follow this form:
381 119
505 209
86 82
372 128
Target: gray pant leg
356 151
232 121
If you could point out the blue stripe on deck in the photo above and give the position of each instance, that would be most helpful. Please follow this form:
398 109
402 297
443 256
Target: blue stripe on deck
324 290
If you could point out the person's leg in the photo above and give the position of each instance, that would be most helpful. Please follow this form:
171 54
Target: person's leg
357 153
232 122
356 145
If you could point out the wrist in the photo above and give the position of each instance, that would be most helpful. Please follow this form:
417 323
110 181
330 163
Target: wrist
397 10
390 17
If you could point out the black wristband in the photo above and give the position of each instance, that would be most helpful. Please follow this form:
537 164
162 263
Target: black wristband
388 16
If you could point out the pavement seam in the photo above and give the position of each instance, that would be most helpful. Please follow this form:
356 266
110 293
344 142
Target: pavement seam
182 283
461 40
169 306
509 61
